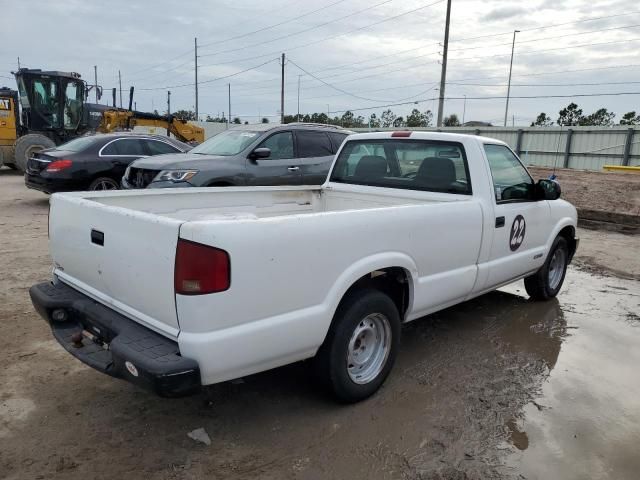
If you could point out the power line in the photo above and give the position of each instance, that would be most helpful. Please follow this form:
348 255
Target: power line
331 37
272 26
210 80
490 98
298 32
481 46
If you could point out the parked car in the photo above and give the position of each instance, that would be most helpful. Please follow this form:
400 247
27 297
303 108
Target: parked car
94 162
240 280
291 154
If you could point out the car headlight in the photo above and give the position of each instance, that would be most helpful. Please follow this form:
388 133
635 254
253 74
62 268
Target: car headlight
175 175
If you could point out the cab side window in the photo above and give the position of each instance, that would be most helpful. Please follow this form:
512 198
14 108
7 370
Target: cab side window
280 144
511 181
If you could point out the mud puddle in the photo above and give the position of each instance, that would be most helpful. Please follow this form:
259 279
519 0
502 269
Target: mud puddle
585 423
499 387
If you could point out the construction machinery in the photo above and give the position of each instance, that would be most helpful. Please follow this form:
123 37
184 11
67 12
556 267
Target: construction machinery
50 108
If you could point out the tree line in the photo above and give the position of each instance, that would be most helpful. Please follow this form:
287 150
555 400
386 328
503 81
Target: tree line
572 115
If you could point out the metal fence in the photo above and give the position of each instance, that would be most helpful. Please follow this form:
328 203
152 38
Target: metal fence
585 148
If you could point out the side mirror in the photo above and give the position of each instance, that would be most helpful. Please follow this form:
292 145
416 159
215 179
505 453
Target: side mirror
548 190
262 152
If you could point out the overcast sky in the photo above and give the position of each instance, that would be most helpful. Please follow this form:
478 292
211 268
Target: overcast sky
368 53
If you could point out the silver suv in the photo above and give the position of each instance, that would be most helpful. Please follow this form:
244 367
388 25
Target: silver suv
291 154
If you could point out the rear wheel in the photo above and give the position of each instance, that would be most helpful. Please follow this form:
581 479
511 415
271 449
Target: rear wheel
104 183
546 282
29 144
361 346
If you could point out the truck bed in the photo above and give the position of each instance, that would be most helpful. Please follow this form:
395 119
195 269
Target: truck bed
243 203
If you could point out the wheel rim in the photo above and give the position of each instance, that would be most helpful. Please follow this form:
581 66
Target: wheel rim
105 185
368 348
33 149
556 268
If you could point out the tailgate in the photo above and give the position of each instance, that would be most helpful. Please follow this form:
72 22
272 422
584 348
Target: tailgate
120 257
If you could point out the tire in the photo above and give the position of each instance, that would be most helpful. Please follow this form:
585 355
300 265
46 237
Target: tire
7 154
29 144
547 281
367 323
104 183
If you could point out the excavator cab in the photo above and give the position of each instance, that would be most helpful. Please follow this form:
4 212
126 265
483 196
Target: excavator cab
51 102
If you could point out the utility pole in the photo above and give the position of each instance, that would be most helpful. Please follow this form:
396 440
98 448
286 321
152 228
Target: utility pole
168 110
464 109
195 42
282 92
506 108
327 114
229 117
120 83
95 77
298 118
443 75
18 63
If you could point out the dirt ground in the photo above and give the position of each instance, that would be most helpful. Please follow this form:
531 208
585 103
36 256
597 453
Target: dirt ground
499 387
598 194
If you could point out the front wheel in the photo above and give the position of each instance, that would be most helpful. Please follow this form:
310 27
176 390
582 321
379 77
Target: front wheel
546 282
361 346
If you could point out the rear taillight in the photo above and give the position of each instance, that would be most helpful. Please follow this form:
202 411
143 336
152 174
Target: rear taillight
201 269
59 165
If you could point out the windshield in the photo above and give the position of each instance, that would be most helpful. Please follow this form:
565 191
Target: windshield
77 144
230 142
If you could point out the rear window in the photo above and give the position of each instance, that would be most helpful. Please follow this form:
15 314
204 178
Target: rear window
409 164
337 139
78 144
313 144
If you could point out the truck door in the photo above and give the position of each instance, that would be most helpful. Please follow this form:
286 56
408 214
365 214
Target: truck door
522 223
279 168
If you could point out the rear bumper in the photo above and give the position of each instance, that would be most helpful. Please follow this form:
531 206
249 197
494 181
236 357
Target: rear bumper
113 344
47 185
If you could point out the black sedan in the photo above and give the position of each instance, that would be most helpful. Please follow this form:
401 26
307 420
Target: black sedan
95 162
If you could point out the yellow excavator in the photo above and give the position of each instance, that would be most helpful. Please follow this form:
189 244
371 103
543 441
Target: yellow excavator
50 108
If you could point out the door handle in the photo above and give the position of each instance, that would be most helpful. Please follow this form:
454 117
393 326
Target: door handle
499 222
293 169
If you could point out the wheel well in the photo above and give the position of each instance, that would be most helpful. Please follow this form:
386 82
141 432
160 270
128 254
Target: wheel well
393 281
569 234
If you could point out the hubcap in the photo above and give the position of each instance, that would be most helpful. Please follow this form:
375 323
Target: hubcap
368 348
556 268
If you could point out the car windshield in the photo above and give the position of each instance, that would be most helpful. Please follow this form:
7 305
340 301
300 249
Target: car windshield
226 143
77 144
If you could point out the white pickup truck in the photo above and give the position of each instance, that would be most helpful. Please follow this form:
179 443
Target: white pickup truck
177 289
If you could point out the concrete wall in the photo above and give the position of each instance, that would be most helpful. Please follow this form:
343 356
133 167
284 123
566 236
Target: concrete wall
585 148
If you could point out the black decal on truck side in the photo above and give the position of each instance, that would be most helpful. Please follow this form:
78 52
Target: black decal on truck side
518 229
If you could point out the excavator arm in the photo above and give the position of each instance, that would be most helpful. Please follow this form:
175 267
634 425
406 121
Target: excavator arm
115 120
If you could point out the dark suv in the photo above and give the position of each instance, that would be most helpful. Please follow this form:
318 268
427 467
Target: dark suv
291 154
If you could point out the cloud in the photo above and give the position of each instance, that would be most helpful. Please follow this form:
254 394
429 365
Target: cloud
503 13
